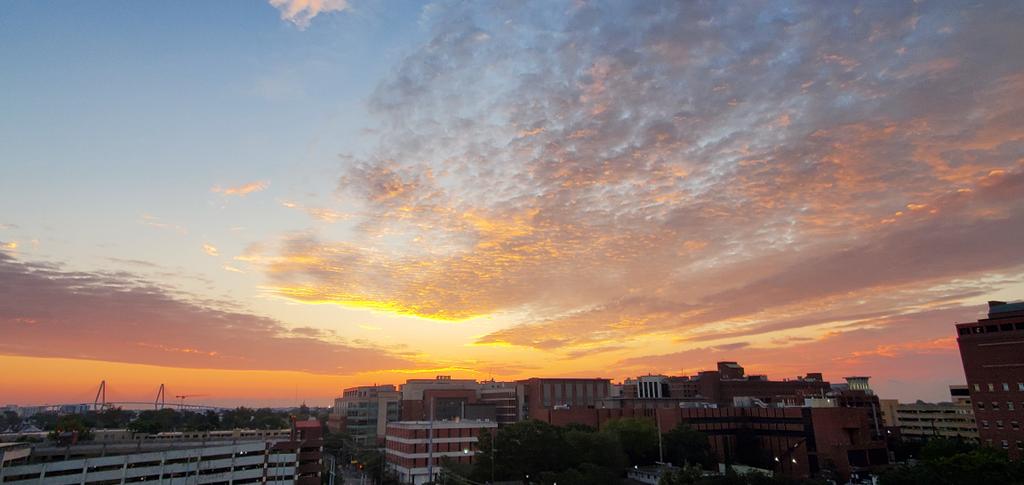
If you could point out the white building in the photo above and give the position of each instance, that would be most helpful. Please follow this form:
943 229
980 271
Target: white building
253 462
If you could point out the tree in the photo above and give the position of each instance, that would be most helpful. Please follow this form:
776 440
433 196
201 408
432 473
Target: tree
978 467
639 438
591 447
524 448
685 475
10 421
687 446
71 423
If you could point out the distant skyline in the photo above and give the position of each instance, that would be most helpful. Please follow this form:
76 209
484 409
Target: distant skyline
268 202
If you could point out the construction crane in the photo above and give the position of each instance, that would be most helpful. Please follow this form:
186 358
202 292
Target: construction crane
181 398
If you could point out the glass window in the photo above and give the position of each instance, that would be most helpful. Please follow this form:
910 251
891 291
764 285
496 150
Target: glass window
981 405
1006 444
1009 405
995 406
1006 386
977 387
999 423
991 386
1020 386
984 423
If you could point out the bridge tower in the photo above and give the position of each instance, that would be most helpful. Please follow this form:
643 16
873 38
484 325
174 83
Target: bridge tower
100 402
160 398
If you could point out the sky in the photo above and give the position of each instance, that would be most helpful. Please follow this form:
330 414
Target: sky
265 202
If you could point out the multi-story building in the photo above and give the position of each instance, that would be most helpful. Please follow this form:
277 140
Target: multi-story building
857 393
443 398
363 412
725 387
504 398
415 449
539 395
646 387
921 420
294 459
992 350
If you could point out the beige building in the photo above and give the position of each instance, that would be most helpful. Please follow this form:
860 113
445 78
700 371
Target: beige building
364 412
923 420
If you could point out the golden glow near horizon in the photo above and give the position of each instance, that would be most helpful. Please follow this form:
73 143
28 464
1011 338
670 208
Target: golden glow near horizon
317 201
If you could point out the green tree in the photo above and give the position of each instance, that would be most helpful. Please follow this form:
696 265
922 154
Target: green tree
978 467
524 448
685 445
638 436
685 475
10 420
46 421
590 447
71 423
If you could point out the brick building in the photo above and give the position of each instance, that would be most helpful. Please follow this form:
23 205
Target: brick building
992 350
445 398
539 395
413 446
505 399
727 386
307 443
797 442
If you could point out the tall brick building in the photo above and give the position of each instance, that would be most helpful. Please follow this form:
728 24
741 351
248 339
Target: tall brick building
992 350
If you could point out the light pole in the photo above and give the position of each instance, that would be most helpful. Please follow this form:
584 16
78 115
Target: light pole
430 443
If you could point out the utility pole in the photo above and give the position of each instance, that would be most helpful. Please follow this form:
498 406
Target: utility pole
661 450
430 443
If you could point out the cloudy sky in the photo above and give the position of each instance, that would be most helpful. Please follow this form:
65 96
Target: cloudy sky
267 202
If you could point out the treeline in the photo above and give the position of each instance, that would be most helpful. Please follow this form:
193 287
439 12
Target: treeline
157 421
576 455
954 462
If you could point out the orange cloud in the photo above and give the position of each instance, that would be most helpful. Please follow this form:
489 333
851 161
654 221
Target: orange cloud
241 190
301 12
210 249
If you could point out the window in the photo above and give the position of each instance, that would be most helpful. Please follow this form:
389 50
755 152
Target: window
1020 386
991 387
995 406
984 423
1006 444
1009 405
1015 425
1020 445
999 423
977 387
981 405
1006 386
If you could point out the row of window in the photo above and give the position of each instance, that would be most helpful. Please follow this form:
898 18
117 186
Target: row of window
992 387
995 406
1006 444
999 424
1005 327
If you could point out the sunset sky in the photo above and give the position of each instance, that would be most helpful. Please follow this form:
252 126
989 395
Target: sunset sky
267 202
